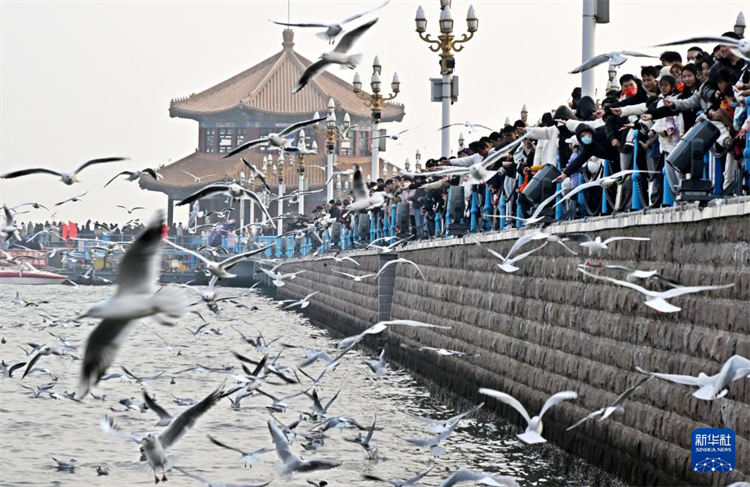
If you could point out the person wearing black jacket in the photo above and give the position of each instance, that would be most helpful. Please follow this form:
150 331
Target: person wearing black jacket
594 143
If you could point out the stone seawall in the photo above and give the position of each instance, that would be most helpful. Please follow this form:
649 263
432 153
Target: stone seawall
547 328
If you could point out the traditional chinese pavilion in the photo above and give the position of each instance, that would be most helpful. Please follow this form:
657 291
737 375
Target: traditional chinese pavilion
254 103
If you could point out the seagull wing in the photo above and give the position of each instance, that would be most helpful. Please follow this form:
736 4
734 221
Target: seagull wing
279 441
117 176
687 380
507 399
25 172
289 129
631 285
245 146
151 403
348 39
590 63
679 291
615 239
151 172
461 476
584 419
496 154
218 443
187 419
101 160
291 24
227 263
254 196
621 398
541 206
556 399
101 347
702 40
636 54
140 266
205 191
356 16
577 190
310 72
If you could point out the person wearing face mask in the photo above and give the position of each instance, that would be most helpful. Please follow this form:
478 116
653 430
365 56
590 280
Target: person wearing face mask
594 142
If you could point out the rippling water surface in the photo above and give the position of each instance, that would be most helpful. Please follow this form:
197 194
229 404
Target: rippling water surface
36 429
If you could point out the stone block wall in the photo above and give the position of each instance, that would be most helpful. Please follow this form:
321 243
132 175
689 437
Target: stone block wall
547 328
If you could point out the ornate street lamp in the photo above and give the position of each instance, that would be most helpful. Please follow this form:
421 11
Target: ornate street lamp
333 133
446 44
375 101
739 25
418 161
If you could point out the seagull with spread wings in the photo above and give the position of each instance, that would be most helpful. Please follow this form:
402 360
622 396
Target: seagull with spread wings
289 462
332 30
219 270
232 190
337 56
67 177
155 447
135 298
615 58
136 175
74 199
658 299
276 140
533 433
741 46
256 173
613 407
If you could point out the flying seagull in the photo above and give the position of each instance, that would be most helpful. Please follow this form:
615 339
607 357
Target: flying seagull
395 136
198 179
742 46
131 210
302 303
613 407
362 198
597 245
658 299
603 182
352 276
332 30
401 261
289 462
506 263
74 199
155 446
463 476
248 457
337 56
275 140
136 175
615 58
467 125
533 433
398 481
219 269
135 298
233 190
379 327
714 386
67 177
258 174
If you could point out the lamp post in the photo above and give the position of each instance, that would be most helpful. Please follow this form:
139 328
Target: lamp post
461 141
375 102
446 44
301 172
524 114
739 25
280 221
333 132
612 84
418 161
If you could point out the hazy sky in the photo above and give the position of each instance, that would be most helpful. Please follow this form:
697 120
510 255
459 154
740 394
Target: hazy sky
92 79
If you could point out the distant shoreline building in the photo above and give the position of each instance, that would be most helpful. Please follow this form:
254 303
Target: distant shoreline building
252 104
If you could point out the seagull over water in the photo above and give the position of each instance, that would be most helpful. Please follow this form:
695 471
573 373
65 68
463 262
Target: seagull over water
332 30
155 446
399 482
289 462
464 476
533 433
67 177
658 299
210 483
134 298
349 342
613 407
337 56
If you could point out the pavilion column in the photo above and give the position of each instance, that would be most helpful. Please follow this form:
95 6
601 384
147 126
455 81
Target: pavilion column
170 210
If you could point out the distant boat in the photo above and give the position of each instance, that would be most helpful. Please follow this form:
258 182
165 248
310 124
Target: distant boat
18 276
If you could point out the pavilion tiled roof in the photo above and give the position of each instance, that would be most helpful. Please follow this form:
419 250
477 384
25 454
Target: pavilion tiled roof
212 168
267 87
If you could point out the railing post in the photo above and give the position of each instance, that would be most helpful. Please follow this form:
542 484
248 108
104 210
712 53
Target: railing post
558 187
392 233
635 198
746 153
667 198
448 211
474 210
372 226
438 220
581 210
719 174
519 213
503 209
606 173
487 208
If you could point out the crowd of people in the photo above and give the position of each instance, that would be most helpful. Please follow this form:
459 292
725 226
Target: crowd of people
653 108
